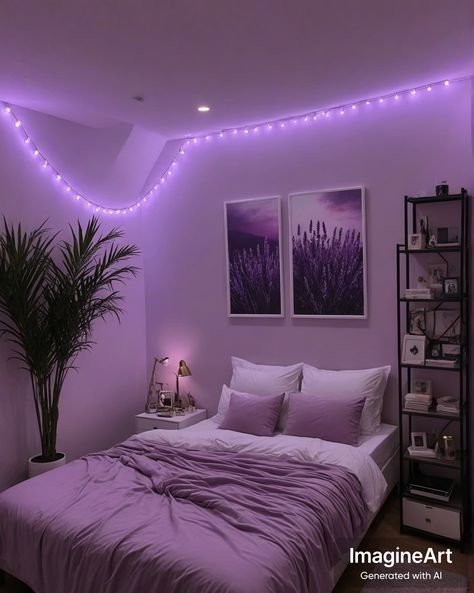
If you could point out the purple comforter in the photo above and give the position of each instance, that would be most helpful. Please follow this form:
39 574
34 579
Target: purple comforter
148 518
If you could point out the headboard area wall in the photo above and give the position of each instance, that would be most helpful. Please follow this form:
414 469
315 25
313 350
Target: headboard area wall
389 150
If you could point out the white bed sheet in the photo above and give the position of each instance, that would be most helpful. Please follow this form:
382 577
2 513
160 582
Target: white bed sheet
380 446
206 435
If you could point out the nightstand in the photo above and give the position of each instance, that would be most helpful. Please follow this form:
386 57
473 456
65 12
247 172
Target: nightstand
151 421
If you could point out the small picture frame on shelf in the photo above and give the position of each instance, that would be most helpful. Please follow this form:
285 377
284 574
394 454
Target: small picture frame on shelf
413 351
416 241
450 350
418 440
418 321
435 349
423 386
451 287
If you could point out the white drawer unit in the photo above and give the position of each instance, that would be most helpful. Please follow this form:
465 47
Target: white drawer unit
152 421
438 520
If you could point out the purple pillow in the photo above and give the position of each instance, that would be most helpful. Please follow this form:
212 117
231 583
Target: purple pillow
253 414
334 419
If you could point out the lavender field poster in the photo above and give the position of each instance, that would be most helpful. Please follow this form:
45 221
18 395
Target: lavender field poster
327 254
253 249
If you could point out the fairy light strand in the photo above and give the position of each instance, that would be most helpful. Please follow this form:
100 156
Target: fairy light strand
248 130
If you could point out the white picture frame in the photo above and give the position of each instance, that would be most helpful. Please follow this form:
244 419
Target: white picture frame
424 386
413 349
416 241
340 209
418 440
246 222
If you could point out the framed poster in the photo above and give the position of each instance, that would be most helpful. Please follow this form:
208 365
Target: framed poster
253 257
328 254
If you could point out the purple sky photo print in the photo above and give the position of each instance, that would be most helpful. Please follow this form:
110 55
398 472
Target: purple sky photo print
253 257
327 253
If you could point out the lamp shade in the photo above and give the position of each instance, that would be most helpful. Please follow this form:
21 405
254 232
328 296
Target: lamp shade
183 369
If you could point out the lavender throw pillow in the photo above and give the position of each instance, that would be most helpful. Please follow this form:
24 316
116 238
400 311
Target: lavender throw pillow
253 414
335 419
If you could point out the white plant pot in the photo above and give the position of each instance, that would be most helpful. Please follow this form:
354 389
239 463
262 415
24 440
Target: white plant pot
35 468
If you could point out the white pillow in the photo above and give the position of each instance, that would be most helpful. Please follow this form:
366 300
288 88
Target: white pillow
261 379
366 382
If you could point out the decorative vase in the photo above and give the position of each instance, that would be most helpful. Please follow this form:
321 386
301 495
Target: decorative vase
35 468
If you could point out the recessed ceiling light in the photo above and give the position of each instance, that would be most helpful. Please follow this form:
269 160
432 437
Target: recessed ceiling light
203 108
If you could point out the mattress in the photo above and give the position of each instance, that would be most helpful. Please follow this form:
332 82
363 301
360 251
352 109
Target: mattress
380 446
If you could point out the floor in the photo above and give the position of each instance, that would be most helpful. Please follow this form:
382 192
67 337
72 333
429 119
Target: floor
384 534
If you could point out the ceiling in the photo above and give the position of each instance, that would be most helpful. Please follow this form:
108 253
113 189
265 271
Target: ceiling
249 60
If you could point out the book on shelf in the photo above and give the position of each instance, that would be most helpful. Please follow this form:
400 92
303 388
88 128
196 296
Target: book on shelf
418 401
418 293
417 408
448 404
421 452
442 363
434 487
419 397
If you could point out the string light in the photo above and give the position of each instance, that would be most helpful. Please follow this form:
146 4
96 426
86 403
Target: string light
195 140
69 188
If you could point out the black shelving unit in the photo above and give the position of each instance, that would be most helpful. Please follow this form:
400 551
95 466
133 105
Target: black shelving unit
448 520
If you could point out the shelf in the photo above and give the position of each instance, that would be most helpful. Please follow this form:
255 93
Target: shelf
458 299
455 502
435 199
456 249
408 268
454 464
431 414
432 367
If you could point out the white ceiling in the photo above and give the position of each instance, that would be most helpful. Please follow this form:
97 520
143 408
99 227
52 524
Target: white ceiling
248 59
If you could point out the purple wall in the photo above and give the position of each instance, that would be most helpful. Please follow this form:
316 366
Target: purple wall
393 150
100 401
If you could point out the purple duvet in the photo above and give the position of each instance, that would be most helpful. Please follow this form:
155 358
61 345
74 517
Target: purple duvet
149 518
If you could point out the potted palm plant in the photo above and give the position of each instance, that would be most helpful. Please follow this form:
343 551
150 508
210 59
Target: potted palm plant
51 292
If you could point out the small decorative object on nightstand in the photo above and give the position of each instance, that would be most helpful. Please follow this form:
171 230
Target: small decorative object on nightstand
152 421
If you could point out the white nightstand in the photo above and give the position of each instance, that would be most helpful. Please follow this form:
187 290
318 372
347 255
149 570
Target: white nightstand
151 421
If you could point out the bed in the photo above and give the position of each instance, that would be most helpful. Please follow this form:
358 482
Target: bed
201 510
